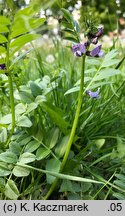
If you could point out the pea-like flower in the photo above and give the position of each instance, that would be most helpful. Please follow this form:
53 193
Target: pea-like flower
79 49
100 32
94 37
93 94
96 52
2 66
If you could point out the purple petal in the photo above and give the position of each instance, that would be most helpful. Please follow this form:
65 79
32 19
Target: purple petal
2 66
83 48
78 49
101 53
95 51
100 32
93 94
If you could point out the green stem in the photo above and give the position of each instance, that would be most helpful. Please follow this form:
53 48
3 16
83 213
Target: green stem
73 130
10 81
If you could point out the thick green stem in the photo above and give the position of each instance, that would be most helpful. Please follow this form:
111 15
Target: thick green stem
73 130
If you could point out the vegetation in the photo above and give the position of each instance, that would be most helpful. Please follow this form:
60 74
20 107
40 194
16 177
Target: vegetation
61 110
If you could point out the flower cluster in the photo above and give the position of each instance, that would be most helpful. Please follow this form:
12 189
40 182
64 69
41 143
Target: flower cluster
81 49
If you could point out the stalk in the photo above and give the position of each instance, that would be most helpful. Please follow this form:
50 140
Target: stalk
73 130
10 82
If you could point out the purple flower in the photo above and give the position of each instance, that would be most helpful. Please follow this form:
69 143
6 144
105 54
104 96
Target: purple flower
79 49
96 52
100 32
93 94
94 37
2 66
